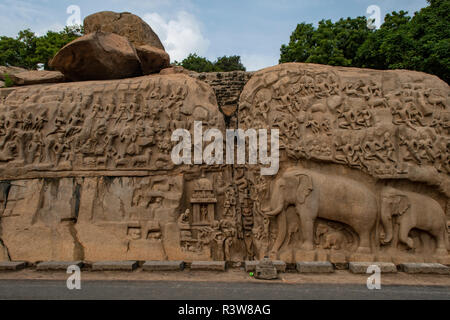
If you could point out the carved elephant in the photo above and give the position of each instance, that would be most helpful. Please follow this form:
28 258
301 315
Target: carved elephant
413 210
318 195
332 239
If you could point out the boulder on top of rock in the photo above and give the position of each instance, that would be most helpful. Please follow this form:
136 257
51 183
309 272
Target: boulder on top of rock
124 24
152 59
98 56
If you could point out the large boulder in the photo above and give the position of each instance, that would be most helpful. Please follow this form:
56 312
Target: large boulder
98 56
124 24
152 59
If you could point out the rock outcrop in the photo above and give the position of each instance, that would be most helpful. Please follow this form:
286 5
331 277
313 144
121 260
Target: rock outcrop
116 46
98 56
86 169
125 24
37 77
21 77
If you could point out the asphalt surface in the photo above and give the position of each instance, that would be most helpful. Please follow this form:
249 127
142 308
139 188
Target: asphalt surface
180 290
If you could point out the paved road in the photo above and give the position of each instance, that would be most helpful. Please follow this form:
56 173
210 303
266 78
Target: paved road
52 289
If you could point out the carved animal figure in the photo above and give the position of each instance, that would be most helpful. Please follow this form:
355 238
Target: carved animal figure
333 239
434 99
316 195
102 160
413 210
142 159
8 153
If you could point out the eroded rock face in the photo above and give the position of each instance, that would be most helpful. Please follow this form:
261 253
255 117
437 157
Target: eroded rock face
97 56
87 174
125 24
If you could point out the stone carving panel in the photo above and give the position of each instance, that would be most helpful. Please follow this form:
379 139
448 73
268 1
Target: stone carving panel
346 136
86 172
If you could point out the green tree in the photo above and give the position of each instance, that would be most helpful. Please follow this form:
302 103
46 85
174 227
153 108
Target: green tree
11 52
28 50
390 47
196 63
229 63
421 42
49 44
200 64
329 43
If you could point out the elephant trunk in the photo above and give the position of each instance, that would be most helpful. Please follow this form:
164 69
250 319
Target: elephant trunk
276 206
273 213
386 220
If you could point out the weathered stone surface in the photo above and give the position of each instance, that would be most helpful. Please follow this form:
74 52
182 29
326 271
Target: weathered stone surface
279 265
266 270
227 86
114 265
125 24
2 84
339 260
361 267
152 59
97 56
37 77
427 268
10 71
12 265
174 70
208 265
314 267
37 224
163 266
57 265
87 173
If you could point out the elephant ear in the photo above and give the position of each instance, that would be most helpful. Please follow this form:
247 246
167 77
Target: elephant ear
305 186
401 204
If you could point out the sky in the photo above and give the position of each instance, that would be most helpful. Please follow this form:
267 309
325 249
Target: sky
253 29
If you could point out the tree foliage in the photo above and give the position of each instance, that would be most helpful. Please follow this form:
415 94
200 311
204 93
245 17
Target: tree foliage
421 42
223 64
28 50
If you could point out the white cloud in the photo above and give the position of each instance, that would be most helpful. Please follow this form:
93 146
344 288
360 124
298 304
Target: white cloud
181 35
255 62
